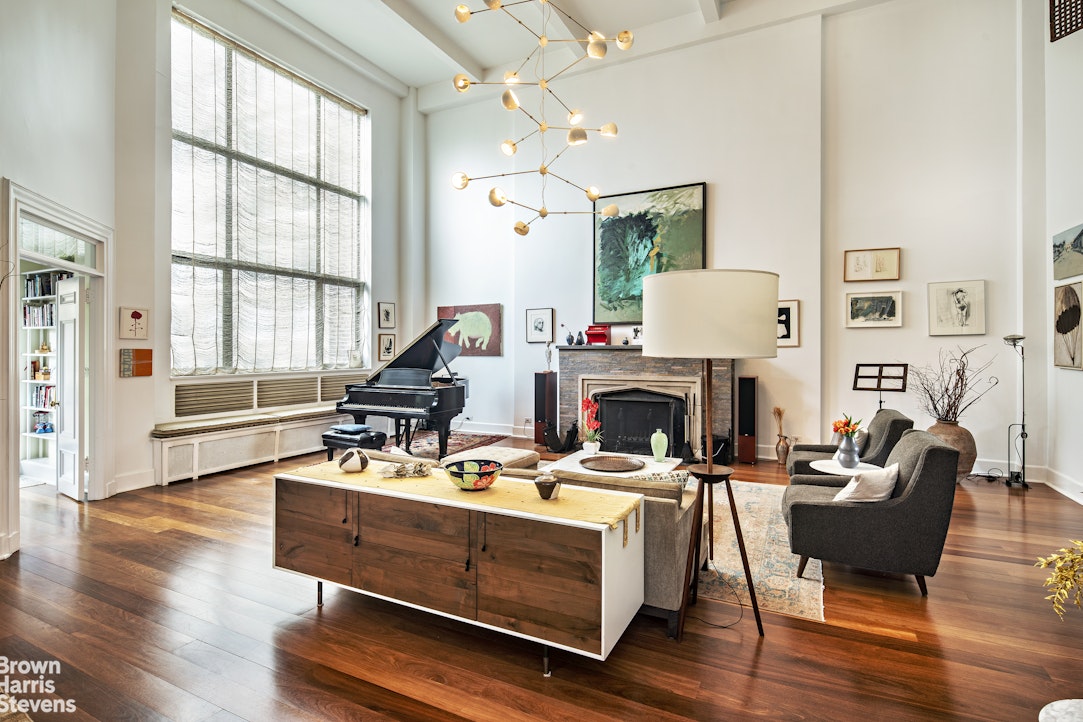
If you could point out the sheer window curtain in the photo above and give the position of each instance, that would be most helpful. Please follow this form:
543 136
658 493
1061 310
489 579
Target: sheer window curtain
270 231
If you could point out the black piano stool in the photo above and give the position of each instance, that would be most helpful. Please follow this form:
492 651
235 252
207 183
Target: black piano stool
339 439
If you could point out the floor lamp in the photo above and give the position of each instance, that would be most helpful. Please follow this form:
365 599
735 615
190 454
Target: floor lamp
1020 477
711 314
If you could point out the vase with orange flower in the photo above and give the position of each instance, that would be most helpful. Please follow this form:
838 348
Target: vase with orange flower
592 434
849 453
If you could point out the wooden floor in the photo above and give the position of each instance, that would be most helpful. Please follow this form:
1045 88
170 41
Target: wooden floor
162 604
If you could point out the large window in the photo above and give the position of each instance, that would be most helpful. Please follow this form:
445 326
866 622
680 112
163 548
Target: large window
270 215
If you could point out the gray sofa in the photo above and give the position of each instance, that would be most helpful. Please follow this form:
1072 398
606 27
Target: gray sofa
903 534
884 431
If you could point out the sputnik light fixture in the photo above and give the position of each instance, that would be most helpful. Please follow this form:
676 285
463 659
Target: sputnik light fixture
595 46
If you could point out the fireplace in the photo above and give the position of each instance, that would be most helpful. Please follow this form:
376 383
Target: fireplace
629 418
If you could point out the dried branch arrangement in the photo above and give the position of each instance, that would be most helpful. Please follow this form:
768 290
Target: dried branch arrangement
949 388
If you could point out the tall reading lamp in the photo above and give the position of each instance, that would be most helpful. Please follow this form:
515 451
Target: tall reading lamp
711 314
1019 477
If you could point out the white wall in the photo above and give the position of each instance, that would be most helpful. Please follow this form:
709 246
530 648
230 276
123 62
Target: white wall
1064 158
742 115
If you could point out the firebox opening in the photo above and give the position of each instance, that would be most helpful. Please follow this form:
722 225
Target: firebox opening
630 416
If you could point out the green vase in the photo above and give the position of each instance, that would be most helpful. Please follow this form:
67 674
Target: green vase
659 445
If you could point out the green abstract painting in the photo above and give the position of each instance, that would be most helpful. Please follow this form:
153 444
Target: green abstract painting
654 231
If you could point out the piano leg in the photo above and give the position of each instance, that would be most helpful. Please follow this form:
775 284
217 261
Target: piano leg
443 431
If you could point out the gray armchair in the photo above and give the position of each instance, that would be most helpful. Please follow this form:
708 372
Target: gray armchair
903 534
885 429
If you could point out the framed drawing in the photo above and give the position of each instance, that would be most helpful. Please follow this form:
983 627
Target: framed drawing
387 347
874 310
539 325
957 308
871 264
1067 352
653 231
386 312
1068 253
478 328
789 323
133 323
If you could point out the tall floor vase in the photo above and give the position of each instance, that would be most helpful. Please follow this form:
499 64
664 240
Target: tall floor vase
959 438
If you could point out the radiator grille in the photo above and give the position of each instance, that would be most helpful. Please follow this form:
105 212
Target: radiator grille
333 388
196 399
286 392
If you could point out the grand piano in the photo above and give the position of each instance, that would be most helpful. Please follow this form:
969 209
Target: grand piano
404 388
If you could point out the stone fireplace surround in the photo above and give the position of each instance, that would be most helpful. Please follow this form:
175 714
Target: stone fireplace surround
586 370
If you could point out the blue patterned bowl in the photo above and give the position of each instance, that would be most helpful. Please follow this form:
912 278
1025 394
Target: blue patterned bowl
473 474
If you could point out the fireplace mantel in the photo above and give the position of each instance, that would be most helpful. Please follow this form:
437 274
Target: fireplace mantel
586 369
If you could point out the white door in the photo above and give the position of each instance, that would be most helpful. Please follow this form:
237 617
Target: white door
70 469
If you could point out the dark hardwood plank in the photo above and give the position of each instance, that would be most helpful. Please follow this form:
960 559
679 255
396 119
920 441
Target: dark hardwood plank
162 603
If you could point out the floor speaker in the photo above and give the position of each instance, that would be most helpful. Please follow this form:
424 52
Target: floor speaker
545 403
746 419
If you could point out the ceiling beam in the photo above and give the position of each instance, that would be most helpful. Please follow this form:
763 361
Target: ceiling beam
710 10
455 52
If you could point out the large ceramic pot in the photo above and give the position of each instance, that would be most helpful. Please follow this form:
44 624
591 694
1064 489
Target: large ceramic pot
959 438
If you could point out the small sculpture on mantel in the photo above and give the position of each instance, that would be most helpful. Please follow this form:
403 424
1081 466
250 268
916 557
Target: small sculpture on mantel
571 338
548 355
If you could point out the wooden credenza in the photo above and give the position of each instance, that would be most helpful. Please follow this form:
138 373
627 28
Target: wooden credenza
569 584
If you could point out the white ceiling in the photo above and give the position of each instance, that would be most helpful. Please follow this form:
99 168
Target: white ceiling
420 43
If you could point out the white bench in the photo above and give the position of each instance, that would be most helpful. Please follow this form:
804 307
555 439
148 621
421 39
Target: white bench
190 449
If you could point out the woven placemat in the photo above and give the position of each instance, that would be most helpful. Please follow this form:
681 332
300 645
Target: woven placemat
611 463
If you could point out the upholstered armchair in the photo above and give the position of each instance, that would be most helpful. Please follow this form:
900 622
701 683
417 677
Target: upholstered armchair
884 431
903 534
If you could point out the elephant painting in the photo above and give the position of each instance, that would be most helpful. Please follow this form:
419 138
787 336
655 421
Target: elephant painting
477 328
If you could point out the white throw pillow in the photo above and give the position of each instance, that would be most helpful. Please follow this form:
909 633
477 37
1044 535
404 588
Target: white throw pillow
870 485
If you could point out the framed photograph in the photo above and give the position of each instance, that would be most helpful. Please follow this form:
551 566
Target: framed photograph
386 313
882 309
1068 253
133 323
387 347
789 323
871 264
652 232
539 325
957 308
1067 352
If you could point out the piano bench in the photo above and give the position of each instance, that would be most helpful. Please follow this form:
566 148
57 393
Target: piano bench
365 440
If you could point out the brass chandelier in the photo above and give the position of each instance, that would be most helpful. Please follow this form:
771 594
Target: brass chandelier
594 45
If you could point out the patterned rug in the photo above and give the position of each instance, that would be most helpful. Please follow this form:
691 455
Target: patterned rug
426 444
774 568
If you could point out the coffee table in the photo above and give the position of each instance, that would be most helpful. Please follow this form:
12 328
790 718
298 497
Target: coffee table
831 466
571 463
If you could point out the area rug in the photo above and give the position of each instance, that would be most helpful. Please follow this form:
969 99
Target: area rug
426 444
774 568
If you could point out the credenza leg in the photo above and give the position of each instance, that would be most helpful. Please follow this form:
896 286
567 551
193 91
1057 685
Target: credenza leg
545 661
319 594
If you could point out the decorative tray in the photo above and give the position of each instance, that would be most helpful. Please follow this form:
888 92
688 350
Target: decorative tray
611 463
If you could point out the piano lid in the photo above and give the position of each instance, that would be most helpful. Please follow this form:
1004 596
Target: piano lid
421 353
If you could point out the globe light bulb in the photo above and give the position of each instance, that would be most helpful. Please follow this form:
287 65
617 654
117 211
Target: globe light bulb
461 82
509 100
596 47
508 148
497 197
521 228
460 180
577 136
625 39
575 116
494 4
462 13
609 130
511 77
593 193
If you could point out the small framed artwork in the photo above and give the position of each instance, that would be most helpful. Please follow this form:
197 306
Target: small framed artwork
386 312
387 347
957 308
539 325
789 323
871 264
1067 350
874 310
133 323
1068 253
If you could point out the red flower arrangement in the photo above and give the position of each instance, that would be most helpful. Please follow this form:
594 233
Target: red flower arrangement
593 431
846 426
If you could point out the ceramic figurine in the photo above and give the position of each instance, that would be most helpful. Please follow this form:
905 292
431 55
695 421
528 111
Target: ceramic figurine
353 460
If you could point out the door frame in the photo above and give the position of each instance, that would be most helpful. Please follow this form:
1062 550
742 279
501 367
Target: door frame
16 202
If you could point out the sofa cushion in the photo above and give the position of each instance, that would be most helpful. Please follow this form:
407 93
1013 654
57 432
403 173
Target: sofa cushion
870 485
509 456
